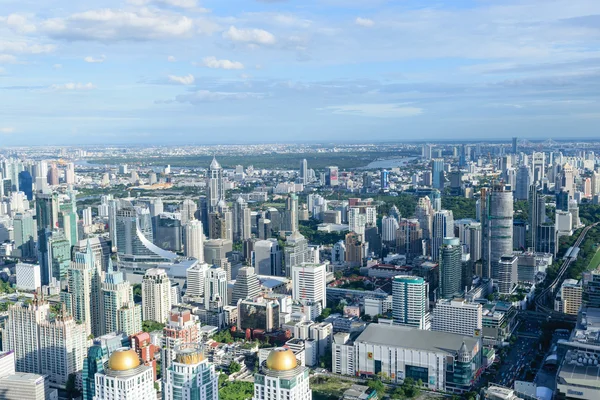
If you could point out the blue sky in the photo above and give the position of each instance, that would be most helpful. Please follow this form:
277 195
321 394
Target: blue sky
220 71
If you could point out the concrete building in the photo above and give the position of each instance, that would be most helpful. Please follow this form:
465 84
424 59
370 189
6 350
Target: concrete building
268 258
21 386
124 378
258 313
247 285
458 316
183 327
410 301
193 233
121 314
443 227
156 295
497 228
309 283
190 376
569 298
450 268
507 274
281 377
28 277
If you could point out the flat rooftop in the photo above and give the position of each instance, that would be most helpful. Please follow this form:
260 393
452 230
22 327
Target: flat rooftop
412 338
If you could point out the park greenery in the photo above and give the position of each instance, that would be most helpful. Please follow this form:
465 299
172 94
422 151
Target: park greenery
151 326
234 390
309 230
6 288
461 207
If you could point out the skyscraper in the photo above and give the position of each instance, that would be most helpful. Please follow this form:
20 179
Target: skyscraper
190 376
296 251
282 377
303 172
23 230
246 285
242 227
268 258
536 216
121 314
54 256
384 180
215 287
183 327
437 173
523 183
308 282
450 268
443 227
124 378
291 213
507 274
331 176
409 239
26 184
188 211
389 230
497 228
514 145
194 240
156 295
409 301
215 190
46 211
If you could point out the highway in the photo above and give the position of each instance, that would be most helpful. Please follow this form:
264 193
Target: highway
540 301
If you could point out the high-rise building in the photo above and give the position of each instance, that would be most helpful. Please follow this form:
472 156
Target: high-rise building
437 173
188 211
409 240
497 228
20 386
507 274
450 268
183 327
457 316
303 172
46 211
195 276
258 313
268 258
537 214
443 227
100 247
538 166
124 378
156 295
424 213
355 249
568 179
291 213
194 240
168 231
23 230
95 361
308 282
282 377
28 277
121 314
215 287
409 301
190 376
26 184
523 183
246 285
514 145
296 251
389 230
331 176
53 175
242 226
215 190
384 180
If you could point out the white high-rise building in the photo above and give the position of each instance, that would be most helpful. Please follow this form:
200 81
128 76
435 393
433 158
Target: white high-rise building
195 276
121 314
125 378
282 377
156 295
215 286
389 229
309 283
457 316
410 301
87 216
70 174
242 224
214 186
246 285
190 376
443 227
193 233
29 277
303 172
268 258
188 211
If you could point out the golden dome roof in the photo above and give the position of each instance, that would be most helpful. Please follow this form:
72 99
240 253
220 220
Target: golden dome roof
123 360
281 359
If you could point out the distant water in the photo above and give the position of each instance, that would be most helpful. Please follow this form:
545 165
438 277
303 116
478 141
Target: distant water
388 163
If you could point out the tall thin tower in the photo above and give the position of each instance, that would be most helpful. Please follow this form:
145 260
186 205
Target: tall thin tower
215 188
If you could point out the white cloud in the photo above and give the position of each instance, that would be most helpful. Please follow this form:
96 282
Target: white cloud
365 22
204 96
73 86
257 36
22 47
57 66
7 130
90 59
375 110
7 59
184 80
18 23
169 3
212 62
171 59
110 25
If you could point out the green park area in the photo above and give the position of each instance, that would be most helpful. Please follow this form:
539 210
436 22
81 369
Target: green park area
328 388
593 265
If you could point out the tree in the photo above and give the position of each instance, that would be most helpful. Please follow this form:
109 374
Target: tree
223 379
70 388
366 318
151 326
377 385
234 367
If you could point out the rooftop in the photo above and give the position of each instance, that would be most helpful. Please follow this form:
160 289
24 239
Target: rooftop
411 338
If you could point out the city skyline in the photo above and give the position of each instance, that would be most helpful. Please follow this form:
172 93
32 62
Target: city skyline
187 71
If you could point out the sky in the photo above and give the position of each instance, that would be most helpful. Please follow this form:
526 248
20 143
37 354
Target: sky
248 71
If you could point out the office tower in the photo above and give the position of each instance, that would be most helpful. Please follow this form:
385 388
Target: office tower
450 268
121 314
23 230
331 176
220 223
409 240
194 240
538 166
26 184
427 151
282 377
63 347
135 238
113 207
523 183
437 173
457 316
215 287
46 211
21 334
595 183
568 179
562 200
409 301
67 216
303 172
443 227
21 386
357 221
87 216
54 256
97 356
28 277
424 213
242 227
53 175
216 249
591 289
124 378
389 230
546 239
100 247
291 213
574 210
246 285
183 327
156 295
373 240
268 258
563 223
514 145
507 274
497 228
537 214
569 297
168 232
308 282
338 253
195 276
70 174
156 207
191 376
355 250
258 313
215 190
188 211
83 298
384 180
296 251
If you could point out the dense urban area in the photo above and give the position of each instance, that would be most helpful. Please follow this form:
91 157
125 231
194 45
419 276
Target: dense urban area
464 270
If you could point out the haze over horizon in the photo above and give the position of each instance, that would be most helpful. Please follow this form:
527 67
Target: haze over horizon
188 71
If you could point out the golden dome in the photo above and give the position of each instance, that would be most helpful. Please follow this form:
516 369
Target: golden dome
123 360
281 359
